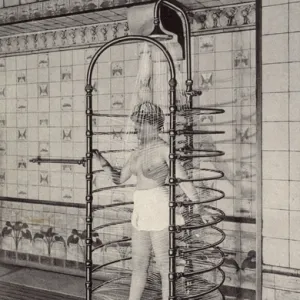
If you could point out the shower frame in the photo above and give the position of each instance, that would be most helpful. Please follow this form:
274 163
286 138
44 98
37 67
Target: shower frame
190 93
172 136
89 164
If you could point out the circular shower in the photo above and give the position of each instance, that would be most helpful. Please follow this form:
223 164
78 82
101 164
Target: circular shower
195 259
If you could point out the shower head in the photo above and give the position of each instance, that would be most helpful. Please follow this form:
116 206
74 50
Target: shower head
159 35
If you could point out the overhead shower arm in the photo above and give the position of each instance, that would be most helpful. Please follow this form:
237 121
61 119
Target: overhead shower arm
187 38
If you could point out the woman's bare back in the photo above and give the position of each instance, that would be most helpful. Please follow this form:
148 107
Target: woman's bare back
149 165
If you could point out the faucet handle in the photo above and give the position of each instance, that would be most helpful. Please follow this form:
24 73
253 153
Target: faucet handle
194 93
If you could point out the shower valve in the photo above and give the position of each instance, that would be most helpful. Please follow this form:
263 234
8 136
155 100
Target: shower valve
194 93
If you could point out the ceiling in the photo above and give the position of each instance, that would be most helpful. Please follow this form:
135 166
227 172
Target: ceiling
113 13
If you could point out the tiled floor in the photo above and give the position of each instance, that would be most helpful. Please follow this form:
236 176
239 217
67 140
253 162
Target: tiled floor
18 283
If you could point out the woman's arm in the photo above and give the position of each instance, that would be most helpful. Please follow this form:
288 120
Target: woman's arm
119 176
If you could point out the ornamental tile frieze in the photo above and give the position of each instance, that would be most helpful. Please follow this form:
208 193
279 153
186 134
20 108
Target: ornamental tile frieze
222 17
63 38
204 20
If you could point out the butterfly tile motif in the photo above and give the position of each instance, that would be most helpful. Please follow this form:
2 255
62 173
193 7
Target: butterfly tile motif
2 120
67 195
206 80
22 134
44 178
43 60
44 148
117 133
67 168
21 77
66 73
89 53
3 148
22 191
117 101
241 59
44 120
66 103
2 64
117 69
67 134
22 163
43 90
2 92
21 105
2 176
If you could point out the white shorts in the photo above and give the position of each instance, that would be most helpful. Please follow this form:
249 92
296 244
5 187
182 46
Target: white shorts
151 210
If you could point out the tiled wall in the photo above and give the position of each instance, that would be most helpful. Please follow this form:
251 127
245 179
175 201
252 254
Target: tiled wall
227 78
281 156
42 113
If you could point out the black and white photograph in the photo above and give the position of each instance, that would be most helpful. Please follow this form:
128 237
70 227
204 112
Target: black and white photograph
150 149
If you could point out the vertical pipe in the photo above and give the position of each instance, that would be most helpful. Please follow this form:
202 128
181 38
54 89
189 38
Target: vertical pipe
172 195
188 58
189 82
259 243
187 40
89 196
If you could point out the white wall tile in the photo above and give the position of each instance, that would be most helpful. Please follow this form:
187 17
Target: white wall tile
294 17
275 136
224 42
294 254
295 106
294 69
275 78
276 223
224 60
294 195
287 295
295 165
294 46
276 252
207 62
275 107
275 48
11 2
273 2
276 165
295 225
276 194
294 136
275 19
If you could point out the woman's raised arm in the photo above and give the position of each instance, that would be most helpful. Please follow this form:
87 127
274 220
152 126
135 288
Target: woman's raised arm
119 176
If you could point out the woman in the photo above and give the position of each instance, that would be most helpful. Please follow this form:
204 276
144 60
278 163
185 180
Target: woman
150 218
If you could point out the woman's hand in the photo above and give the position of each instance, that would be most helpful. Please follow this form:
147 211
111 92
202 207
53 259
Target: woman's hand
97 153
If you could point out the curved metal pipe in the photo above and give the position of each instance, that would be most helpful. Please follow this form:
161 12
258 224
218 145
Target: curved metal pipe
209 291
111 243
89 155
109 263
133 38
187 40
186 251
217 266
111 224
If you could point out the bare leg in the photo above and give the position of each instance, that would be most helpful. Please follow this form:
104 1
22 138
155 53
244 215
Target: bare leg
160 245
141 250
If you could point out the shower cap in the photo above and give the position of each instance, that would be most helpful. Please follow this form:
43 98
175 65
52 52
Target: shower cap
148 112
